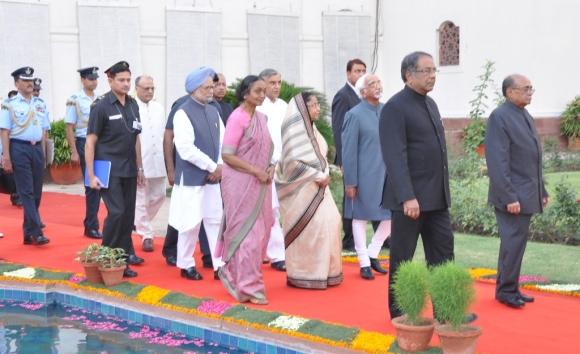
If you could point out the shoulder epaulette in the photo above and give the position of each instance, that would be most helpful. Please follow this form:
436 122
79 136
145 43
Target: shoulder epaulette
5 105
39 99
97 100
72 100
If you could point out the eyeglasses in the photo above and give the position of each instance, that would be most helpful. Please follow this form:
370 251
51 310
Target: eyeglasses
527 89
427 71
152 88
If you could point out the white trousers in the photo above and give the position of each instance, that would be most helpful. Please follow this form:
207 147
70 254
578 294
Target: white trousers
276 251
150 198
187 241
359 234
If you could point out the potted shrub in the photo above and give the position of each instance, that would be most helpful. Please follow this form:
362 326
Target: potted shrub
474 136
452 293
570 124
62 170
411 287
112 263
89 259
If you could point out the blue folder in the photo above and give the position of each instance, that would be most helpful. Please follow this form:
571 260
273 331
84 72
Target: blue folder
102 171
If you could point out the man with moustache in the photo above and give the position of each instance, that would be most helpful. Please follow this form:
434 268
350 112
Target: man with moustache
113 135
78 108
416 187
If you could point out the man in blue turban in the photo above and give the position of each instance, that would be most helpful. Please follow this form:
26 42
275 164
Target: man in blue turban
196 196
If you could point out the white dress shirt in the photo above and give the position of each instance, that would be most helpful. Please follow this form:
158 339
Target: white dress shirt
275 111
153 127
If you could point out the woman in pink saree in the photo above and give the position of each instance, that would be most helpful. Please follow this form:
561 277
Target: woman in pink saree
247 195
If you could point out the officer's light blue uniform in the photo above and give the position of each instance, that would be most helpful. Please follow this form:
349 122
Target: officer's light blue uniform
26 122
78 108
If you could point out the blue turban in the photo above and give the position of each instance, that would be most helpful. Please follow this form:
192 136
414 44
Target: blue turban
197 77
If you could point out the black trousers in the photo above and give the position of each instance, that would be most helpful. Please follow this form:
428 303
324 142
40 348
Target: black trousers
92 196
513 233
437 237
119 199
170 244
28 166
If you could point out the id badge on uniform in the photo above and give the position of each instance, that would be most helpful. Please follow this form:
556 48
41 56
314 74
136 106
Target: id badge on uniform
136 125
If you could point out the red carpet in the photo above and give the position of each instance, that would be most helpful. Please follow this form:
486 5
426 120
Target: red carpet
550 325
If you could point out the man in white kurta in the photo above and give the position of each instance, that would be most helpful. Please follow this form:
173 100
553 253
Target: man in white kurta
150 195
191 201
275 109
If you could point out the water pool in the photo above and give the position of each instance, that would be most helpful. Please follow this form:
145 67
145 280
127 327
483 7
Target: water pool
37 328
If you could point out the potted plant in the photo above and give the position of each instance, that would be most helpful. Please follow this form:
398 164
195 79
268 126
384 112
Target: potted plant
452 293
112 263
474 132
411 287
88 257
570 124
62 170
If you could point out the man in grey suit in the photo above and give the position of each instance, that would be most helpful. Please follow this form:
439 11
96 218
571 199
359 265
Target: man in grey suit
516 186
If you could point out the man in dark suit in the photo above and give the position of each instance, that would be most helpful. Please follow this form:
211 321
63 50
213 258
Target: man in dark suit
516 186
416 188
345 99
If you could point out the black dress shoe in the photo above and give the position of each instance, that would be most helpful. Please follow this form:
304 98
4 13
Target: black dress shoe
36 240
92 233
171 261
513 302
366 273
191 274
129 273
376 265
134 260
526 298
147 245
279 266
15 200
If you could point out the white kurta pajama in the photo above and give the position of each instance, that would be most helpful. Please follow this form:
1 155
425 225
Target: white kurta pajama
190 205
275 111
151 195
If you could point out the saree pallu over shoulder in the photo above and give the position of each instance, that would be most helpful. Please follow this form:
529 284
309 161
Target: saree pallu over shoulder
302 162
247 214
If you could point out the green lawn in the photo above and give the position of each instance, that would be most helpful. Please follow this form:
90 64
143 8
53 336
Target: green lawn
555 262
570 177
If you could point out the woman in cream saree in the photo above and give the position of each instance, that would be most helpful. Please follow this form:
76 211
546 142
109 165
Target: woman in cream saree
310 218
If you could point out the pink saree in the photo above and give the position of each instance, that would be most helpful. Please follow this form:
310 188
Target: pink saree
247 207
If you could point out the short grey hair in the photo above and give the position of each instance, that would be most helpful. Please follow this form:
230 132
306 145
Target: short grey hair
141 77
410 62
361 83
507 83
266 73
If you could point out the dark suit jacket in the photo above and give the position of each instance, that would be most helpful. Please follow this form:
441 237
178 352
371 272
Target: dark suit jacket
414 151
514 160
342 102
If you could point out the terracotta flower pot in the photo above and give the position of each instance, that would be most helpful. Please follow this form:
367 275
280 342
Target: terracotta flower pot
67 173
480 150
412 338
462 341
93 273
112 276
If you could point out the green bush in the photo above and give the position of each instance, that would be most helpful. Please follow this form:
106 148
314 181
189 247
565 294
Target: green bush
451 293
556 160
411 287
61 147
570 122
470 211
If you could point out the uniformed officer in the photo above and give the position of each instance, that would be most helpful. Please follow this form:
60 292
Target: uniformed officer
78 107
113 135
36 87
23 126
